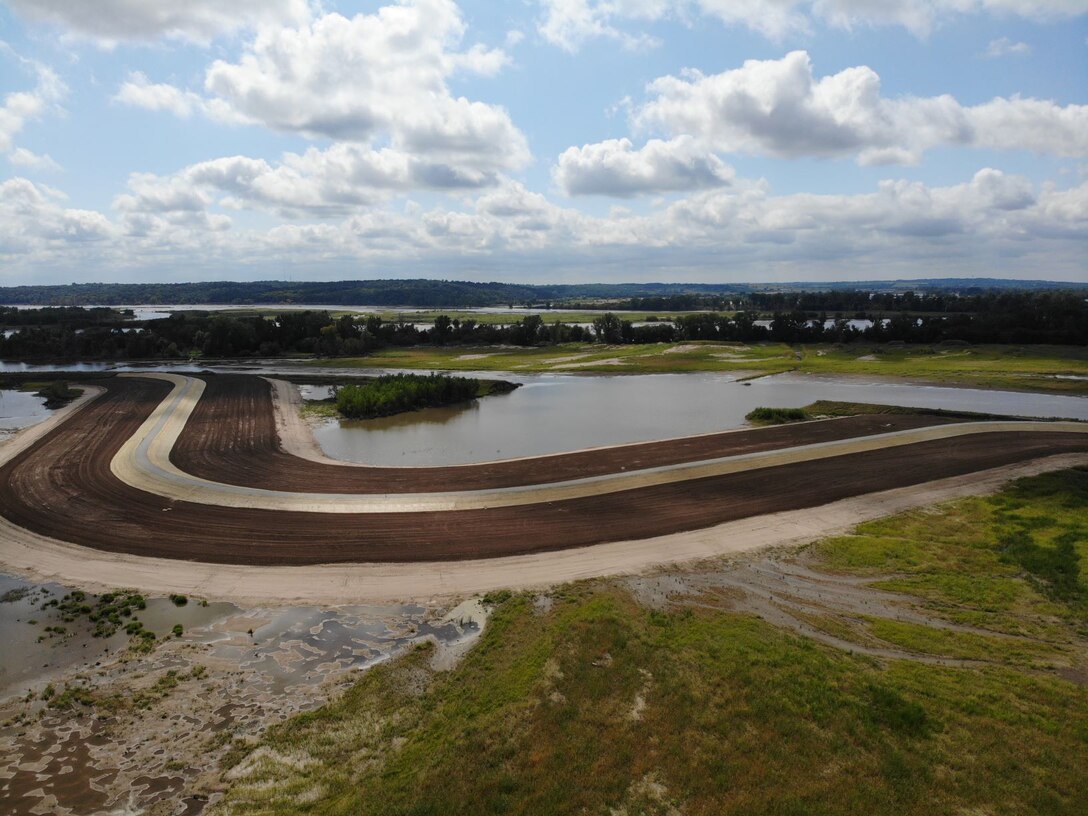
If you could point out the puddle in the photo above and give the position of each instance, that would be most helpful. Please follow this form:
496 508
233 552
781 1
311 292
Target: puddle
156 738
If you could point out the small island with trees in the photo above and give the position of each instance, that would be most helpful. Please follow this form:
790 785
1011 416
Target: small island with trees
398 393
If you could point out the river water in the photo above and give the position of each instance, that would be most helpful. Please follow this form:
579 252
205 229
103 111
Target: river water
555 413
558 413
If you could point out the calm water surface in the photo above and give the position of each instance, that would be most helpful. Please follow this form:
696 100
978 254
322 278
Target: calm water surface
21 409
554 413
557 413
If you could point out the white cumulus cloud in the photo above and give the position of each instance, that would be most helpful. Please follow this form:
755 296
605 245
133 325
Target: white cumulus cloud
111 21
21 157
343 178
993 223
21 107
373 78
780 108
570 23
615 168
34 221
1004 47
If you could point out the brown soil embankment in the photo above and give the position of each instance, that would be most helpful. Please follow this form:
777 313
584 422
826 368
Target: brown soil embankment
62 487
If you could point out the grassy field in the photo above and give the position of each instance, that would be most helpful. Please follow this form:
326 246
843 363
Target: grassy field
596 704
1005 367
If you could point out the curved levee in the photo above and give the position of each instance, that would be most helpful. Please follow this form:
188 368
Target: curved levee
63 487
144 462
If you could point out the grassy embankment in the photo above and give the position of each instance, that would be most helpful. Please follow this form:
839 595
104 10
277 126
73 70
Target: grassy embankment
1004 367
823 409
600 705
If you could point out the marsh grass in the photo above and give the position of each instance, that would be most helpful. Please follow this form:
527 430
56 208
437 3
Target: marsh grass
991 366
736 715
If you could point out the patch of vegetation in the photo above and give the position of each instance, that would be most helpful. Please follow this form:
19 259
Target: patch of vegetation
822 409
396 393
56 393
325 409
111 610
179 600
1036 368
14 595
109 613
496 597
71 697
75 696
734 715
1015 563
776 416
889 708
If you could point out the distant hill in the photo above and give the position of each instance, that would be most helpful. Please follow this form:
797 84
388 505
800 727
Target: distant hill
443 293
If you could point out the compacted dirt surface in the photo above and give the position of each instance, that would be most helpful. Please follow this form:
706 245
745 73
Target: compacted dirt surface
62 486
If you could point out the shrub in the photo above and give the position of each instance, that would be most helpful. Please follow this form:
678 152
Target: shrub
776 416
396 393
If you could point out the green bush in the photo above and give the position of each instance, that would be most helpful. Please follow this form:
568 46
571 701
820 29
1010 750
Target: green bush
776 416
393 394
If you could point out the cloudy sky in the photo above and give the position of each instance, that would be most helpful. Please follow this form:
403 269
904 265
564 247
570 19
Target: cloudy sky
543 140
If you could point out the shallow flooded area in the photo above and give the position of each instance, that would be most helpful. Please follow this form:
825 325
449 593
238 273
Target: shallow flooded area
560 413
20 409
90 725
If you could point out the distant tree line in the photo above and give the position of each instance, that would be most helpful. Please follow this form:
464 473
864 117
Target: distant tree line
1026 318
61 315
856 304
449 294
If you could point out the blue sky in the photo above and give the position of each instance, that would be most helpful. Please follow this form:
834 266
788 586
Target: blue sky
543 140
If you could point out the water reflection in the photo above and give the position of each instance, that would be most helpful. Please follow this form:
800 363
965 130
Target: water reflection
557 413
20 409
426 416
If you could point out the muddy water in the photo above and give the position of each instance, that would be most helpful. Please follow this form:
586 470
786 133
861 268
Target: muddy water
33 656
557 413
20 409
255 667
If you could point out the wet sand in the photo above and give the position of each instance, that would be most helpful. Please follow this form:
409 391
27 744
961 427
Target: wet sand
147 740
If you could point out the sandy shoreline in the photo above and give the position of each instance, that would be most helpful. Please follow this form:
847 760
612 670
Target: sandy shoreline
27 554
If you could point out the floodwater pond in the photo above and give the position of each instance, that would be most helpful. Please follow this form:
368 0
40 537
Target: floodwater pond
20 409
559 413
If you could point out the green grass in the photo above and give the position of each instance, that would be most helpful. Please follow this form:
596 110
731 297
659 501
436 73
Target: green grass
776 416
821 409
1005 367
736 715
